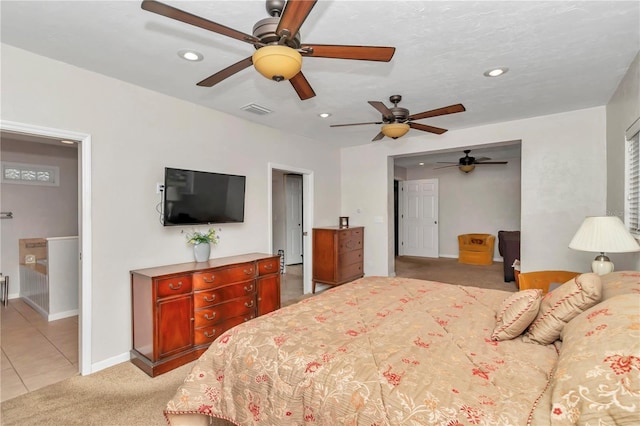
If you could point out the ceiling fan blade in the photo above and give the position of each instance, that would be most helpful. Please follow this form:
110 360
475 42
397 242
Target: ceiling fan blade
355 124
425 128
364 53
227 72
302 86
382 108
186 17
378 137
444 167
482 159
294 14
451 109
446 162
491 162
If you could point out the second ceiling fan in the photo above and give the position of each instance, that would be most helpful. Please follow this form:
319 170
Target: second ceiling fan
396 120
279 50
466 164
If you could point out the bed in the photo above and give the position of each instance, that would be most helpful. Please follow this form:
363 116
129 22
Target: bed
399 351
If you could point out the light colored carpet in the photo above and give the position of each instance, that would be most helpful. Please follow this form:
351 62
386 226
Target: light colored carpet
123 395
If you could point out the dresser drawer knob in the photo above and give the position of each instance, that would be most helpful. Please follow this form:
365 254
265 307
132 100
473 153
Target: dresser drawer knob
250 318
210 335
249 304
210 280
209 318
248 289
206 298
268 267
249 271
172 287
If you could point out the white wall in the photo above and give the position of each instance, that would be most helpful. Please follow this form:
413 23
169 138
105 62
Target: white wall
484 201
38 211
622 110
135 133
563 179
279 211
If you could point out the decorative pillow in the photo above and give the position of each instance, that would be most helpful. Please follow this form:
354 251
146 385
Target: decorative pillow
516 313
563 304
597 378
622 282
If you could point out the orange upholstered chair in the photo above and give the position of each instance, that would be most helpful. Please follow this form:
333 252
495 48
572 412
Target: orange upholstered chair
476 249
542 279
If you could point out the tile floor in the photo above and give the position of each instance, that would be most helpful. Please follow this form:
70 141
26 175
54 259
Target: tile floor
37 353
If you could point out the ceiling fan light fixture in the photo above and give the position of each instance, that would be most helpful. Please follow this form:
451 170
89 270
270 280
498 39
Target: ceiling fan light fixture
277 62
467 168
395 130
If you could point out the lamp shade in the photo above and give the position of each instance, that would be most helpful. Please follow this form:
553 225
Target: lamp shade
395 130
467 168
604 234
277 62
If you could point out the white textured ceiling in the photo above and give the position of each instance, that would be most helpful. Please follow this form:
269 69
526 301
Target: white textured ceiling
561 56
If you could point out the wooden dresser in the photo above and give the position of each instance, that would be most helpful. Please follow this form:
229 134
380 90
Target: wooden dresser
337 255
178 310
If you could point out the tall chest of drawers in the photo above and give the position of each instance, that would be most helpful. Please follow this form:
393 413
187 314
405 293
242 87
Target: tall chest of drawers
337 255
178 310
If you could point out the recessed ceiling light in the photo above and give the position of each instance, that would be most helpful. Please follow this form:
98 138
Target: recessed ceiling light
324 115
190 55
420 164
495 72
68 142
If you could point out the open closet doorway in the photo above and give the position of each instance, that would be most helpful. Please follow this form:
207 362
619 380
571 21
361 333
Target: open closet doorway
290 228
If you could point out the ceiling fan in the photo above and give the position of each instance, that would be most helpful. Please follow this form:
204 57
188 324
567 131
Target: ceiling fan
467 164
279 51
396 121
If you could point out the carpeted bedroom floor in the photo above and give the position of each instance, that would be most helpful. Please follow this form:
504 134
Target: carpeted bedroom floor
123 395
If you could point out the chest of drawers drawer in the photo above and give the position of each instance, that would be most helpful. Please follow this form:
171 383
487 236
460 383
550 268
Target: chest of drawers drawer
269 266
222 294
241 306
207 334
211 279
173 286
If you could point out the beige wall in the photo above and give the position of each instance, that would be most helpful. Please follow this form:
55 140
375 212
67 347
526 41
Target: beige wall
38 211
135 133
622 110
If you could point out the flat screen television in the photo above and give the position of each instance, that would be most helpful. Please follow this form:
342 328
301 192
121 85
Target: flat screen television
192 197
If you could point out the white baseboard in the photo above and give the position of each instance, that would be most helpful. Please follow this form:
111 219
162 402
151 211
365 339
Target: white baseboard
65 314
110 362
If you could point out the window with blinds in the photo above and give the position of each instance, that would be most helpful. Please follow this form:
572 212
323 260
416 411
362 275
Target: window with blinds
632 208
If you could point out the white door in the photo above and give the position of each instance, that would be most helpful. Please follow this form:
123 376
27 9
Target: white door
419 216
293 219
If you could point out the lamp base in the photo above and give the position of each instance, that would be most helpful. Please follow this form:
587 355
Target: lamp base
601 265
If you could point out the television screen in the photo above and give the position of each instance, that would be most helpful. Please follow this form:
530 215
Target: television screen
192 197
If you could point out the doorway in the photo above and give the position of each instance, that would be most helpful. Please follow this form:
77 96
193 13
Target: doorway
418 209
290 220
84 227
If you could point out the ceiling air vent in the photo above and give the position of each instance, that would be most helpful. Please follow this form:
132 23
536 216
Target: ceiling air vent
256 109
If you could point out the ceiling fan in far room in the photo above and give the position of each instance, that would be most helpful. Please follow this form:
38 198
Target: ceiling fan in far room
396 121
468 164
279 50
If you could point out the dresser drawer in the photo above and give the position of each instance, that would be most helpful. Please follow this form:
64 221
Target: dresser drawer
269 266
347 234
240 306
353 242
222 294
217 277
173 286
206 335
351 271
349 258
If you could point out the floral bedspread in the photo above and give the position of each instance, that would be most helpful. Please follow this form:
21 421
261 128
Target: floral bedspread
377 351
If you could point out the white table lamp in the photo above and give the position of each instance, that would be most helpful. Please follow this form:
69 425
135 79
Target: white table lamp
603 234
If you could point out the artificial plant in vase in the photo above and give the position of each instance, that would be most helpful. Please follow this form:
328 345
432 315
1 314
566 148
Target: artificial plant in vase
201 242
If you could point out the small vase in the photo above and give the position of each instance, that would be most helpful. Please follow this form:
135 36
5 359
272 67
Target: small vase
201 251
